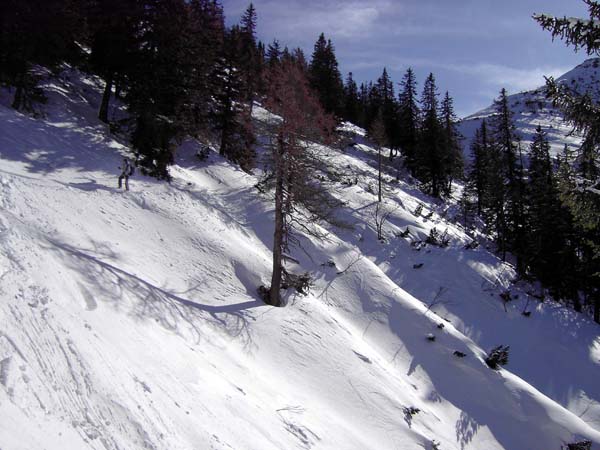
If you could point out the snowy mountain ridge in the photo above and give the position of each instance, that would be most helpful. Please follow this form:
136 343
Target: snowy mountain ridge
131 319
532 108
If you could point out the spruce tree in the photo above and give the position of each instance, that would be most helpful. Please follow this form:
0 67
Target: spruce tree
31 33
273 54
114 27
583 112
430 150
351 101
453 156
232 108
325 76
508 205
477 180
388 108
157 97
545 235
408 120
249 62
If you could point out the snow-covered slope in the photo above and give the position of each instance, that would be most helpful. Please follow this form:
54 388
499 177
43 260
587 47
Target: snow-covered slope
532 108
130 319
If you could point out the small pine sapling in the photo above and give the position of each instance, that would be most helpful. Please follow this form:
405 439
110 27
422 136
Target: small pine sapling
497 357
434 237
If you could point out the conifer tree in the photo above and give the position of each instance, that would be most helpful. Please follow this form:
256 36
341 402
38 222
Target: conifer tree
274 53
158 96
351 101
114 27
232 108
477 180
408 120
430 150
583 112
325 76
545 240
249 63
33 32
506 209
388 108
453 156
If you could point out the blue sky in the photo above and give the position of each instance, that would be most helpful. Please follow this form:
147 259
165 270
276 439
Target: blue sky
474 47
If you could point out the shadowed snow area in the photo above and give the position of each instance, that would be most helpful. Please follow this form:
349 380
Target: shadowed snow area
131 319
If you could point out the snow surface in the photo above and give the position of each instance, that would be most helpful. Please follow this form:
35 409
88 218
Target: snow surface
130 319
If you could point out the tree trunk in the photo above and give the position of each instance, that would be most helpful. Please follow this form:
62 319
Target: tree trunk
274 293
379 166
597 307
18 99
118 88
103 113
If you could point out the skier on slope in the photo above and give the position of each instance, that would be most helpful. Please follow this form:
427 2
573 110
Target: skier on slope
126 172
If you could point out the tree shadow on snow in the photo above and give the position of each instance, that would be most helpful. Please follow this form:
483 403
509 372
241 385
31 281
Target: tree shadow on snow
147 301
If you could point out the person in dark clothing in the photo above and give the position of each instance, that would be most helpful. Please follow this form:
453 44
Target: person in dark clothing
126 172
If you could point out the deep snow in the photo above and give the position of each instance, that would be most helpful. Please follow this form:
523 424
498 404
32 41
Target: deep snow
131 319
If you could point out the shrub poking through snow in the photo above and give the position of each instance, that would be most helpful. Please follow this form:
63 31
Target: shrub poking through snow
405 233
417 266
202 153
472 245
302 283
431 337
410 410
418 210
497 357
435 445
435 238
582 445
441 326
459 354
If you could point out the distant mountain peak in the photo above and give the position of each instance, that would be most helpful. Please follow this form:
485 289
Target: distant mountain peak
532 108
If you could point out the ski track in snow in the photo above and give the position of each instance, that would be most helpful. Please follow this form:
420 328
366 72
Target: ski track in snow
131 319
